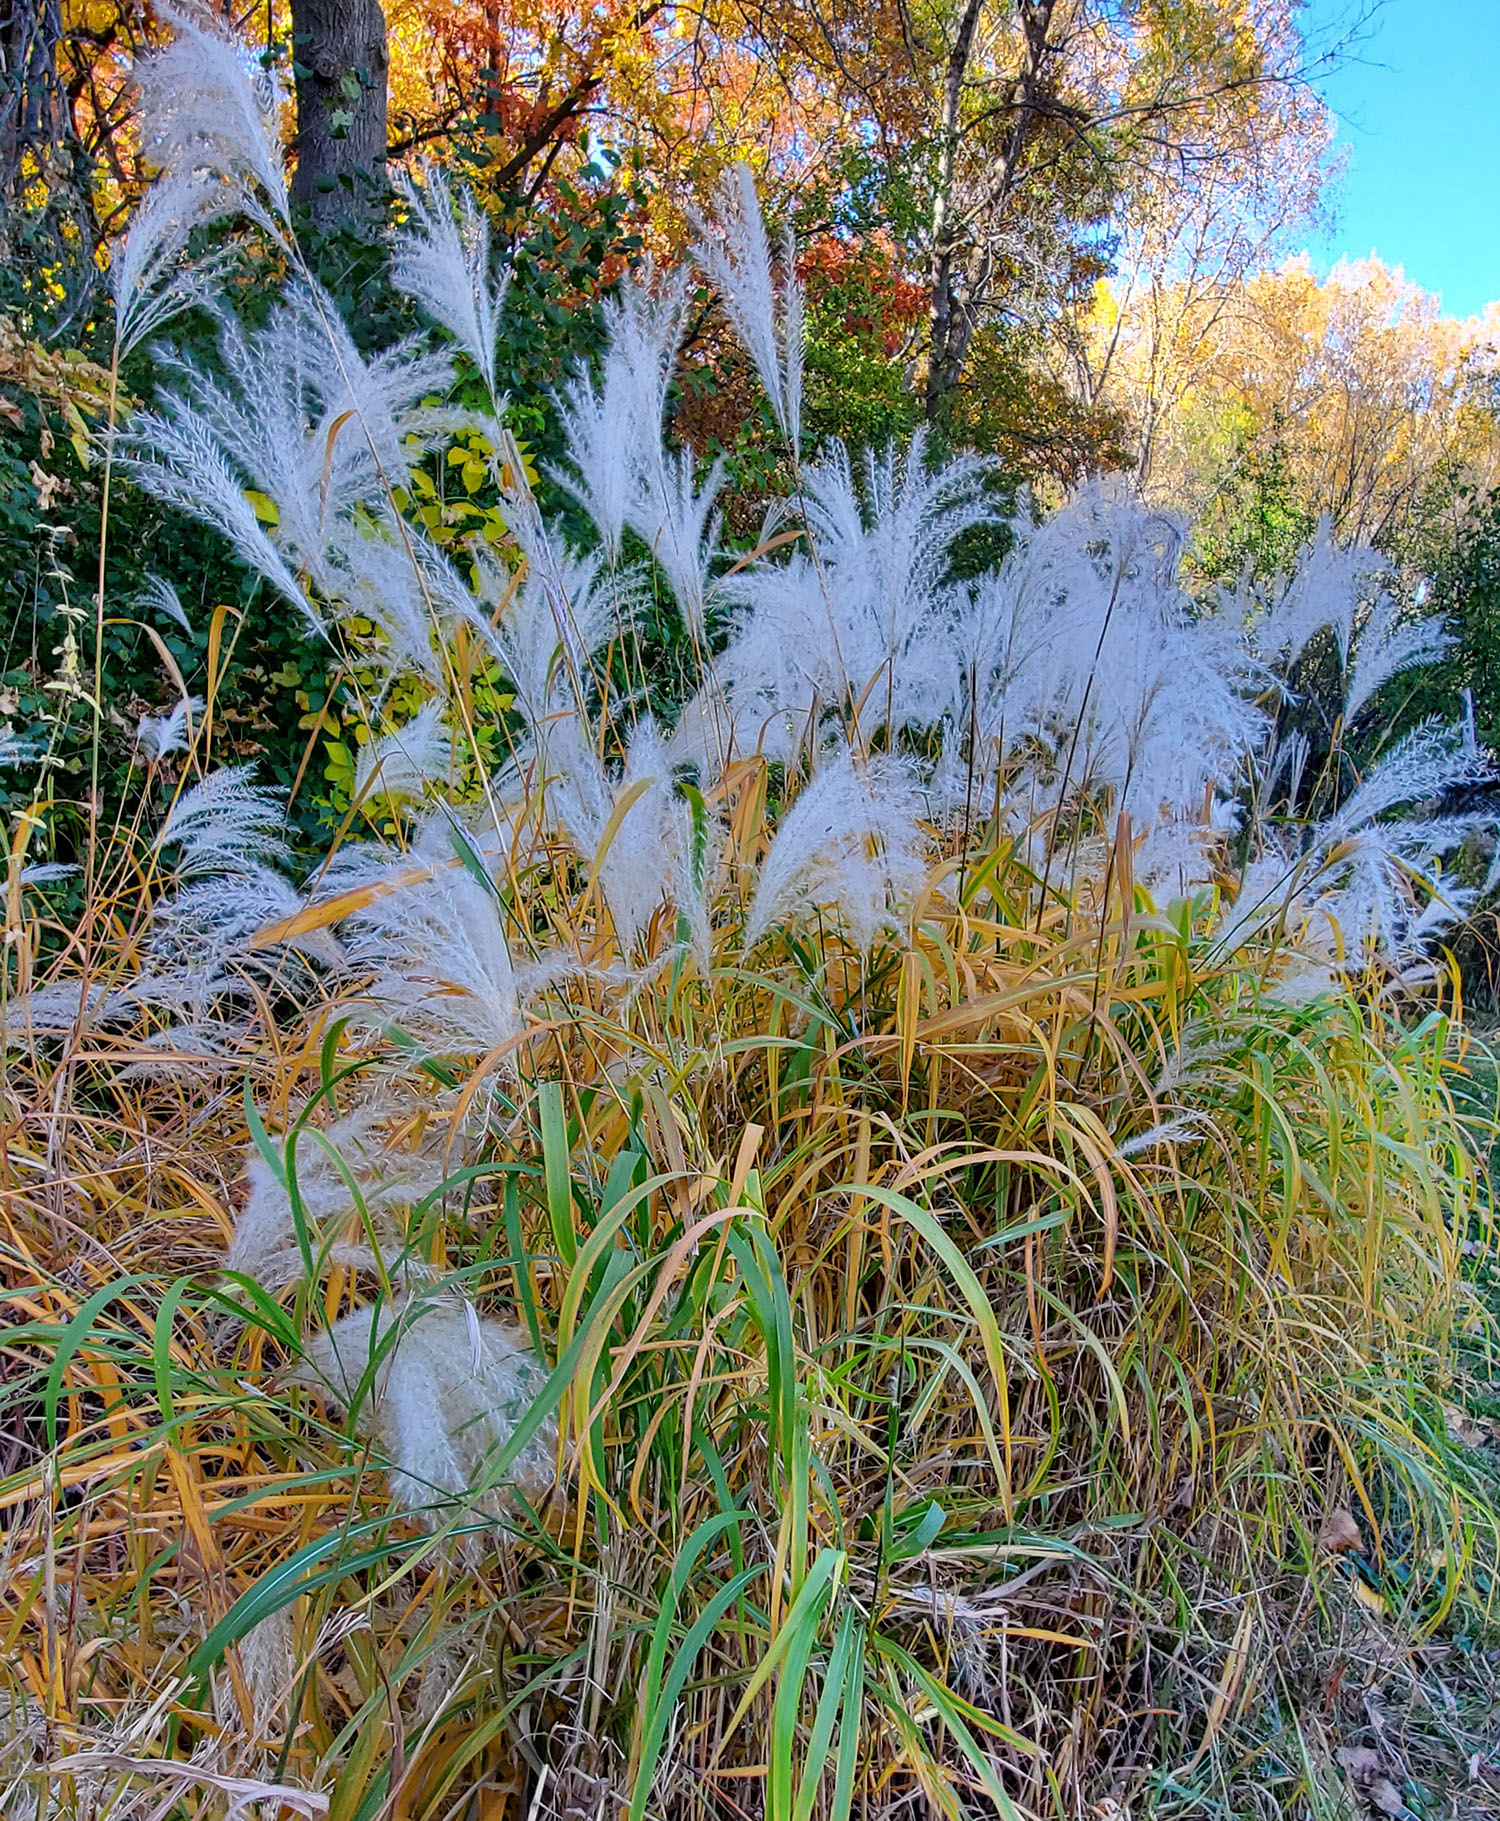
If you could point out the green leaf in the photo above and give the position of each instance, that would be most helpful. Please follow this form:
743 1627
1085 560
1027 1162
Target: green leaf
676 1680
840 1694
557 1164
912 1540
161 1347
687 1559
74 1336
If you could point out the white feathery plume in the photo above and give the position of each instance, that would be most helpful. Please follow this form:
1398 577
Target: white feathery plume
174 455
566 609
160 595
788 644
582 601
49 872
1182 1128
1266 888
573 780
1085 673
268 1660
434 950
1302 981
646 860
1429 761
207 106
404 762
643 327
150 278
202 941
601 473
1448 902
444 1390
677 520
1380 890
160 735
1324 593
225 822
614 428
193 1048
1288 753
883 562
1363 907
768 317
441 258
293 412
1387 645
16 751
1200 1047
266 1244
60 1005
396 583
850 842
705 735
230 843
899 537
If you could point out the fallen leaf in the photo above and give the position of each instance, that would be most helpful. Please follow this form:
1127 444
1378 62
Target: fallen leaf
1366 1770
1361 1763
1368 1597
1462 1429
1384 1797
1340 1532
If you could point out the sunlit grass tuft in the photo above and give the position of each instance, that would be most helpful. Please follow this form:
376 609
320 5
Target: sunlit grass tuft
969 1364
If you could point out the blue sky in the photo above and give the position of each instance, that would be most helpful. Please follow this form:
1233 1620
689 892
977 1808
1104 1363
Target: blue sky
1418 111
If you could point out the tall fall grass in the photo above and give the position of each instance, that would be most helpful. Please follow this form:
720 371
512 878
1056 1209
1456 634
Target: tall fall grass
940 1419
856 1268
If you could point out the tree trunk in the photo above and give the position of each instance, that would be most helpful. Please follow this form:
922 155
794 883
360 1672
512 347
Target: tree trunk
943 253
960 276
33 107
342 61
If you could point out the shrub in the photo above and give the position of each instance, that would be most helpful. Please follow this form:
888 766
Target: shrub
897 1237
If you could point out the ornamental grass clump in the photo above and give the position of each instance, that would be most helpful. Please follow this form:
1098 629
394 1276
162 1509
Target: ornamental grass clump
900 1234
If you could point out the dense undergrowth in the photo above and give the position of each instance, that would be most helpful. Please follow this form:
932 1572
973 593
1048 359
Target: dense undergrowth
918 1239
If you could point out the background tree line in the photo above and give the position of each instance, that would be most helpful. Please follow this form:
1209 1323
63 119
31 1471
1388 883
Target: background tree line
1056 230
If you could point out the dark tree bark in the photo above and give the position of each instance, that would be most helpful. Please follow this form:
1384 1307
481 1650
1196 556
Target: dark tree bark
33 106
960 270
343 61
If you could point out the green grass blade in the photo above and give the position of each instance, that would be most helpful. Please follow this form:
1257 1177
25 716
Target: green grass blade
676 1680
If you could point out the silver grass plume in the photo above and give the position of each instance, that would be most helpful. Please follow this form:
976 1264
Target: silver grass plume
1388 644
150 278
433 950
208 108
613 426
161 735
226 820
766 307
440 257
160 596
405 761
294 413
352 1158
676 519
849 843
442 1389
